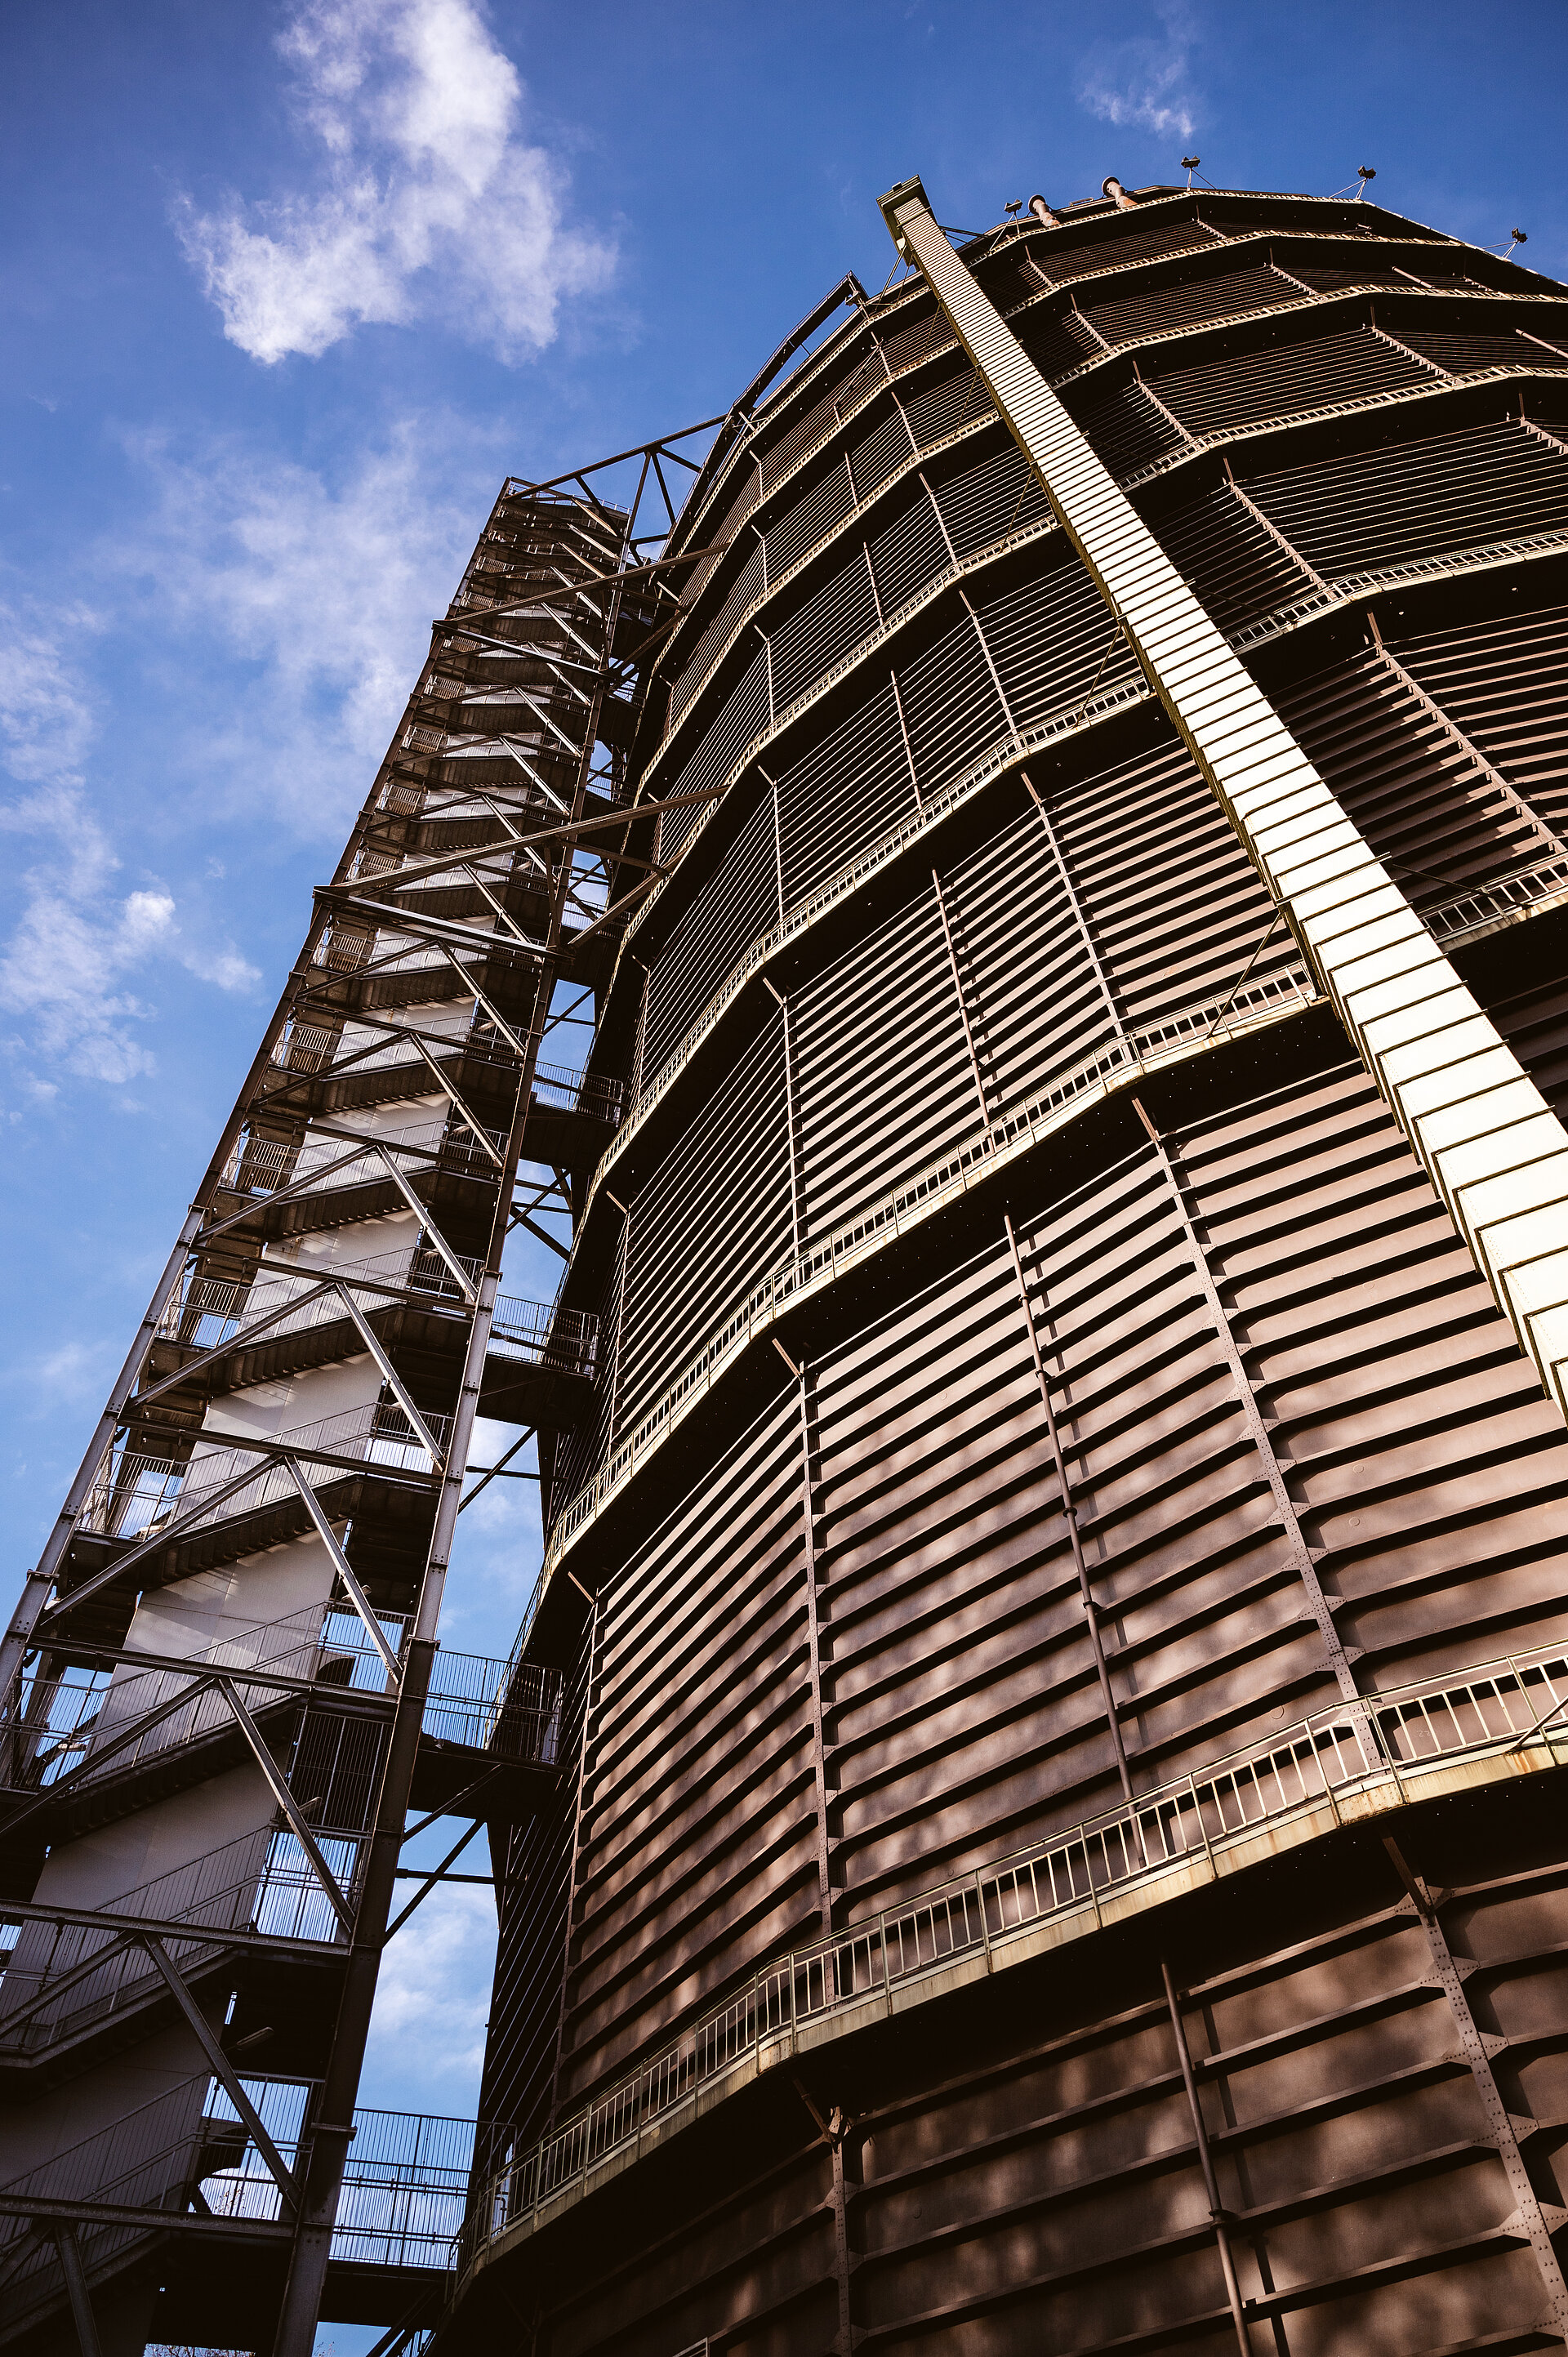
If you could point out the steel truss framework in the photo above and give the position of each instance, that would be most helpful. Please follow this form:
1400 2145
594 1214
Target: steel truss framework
404 1087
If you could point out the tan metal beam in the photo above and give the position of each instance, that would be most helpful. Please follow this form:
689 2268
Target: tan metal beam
1489 1142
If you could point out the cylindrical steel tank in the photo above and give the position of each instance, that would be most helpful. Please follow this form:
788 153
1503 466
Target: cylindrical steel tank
1062 1846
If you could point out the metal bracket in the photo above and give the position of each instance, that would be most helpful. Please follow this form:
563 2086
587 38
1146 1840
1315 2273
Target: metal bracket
289 1807
224 2071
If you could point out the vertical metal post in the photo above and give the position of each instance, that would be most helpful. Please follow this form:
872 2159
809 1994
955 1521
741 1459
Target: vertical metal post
815 1650
1216 2211
1069 1516
1500 2121
75 2276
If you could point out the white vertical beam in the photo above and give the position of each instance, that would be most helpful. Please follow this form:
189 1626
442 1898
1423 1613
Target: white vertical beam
1487 1136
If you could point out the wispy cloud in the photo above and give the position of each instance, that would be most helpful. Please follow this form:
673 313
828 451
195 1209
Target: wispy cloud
309 598
426 203
66 962
1145 85
427 2037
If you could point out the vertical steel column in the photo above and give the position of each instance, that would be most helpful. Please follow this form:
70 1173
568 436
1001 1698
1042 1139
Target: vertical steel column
1486 1134
976 1072
80 2298
576 1851
1300 1554
797 1232
1217 2211
1069 1516
1079 918
1473 2045
1495 782
815 1650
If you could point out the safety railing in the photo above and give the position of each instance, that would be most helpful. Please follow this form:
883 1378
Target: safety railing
564 1339
1370 1752
133 1494
404 2185
1120 1058
405 2190
61 1979
262 1166
207 1311
593 1094
64 1721
1499 896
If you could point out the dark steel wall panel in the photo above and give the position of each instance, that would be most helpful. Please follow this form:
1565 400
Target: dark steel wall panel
1412 498
713 1211
866 1119
1501 682
849 788
1127 318
729 912
1284 379
1238 568
842 1647
1418 791
699 1835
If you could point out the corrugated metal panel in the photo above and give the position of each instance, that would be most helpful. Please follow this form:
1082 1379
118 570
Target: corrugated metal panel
1055 345
1412 499
1188 303
1052 641
699 1835
1306 1455
908 551
1125 426
747 585
1503 682
866 1117
941 408
715 1209
950 705
736 905
1177 909
1460 351
880 450
849 788
1421 799
1238 569
986 501
744 714
1327 277
917 339
1282 380
1116 247
812 515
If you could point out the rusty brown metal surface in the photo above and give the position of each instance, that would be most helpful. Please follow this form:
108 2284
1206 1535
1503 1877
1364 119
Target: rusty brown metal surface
890 1585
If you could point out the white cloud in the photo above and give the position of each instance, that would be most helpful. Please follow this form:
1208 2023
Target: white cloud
1143 84
305 605
427 202
46 719
65 965
427 2034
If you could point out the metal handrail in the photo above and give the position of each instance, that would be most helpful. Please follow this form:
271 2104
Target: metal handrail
1349 1751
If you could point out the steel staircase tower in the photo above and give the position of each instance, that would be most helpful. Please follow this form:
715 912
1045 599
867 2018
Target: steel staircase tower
222 1692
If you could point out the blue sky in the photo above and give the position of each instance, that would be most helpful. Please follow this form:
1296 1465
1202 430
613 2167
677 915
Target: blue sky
288 291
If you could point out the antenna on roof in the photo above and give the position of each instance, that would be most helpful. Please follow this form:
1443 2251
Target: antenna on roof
1364 172
1189 165
1516 237
1014 208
